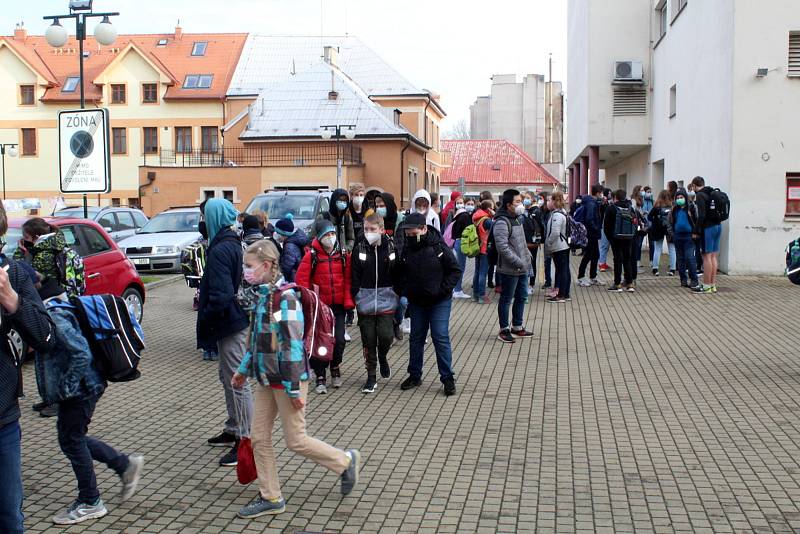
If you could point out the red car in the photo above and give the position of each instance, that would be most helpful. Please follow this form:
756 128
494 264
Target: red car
107 269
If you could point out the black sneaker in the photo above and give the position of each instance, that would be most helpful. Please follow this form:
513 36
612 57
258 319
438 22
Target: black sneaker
39 406
226 439
386 372
231 459
671 272
410 383
450 387
505 336
521 333
490 284
615 288
370 385
655 272
684 284
49 411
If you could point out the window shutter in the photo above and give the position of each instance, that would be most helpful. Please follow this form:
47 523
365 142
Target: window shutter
794 54
630 101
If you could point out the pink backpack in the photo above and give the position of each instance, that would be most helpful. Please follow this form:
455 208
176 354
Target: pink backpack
448 236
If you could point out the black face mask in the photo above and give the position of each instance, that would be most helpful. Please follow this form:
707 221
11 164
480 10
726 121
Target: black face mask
201 227
415 242
28 244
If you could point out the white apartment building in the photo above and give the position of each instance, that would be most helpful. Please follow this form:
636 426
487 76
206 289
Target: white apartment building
664 90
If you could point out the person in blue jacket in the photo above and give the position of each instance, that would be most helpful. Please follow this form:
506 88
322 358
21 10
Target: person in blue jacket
221 322
294 242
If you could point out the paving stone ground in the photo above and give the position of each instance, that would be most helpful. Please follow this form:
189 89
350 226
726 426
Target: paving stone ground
659 411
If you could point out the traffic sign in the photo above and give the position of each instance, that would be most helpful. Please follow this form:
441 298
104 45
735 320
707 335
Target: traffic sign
83 151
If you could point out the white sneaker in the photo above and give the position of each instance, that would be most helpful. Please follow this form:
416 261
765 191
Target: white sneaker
596 282
130 478
406 325
347 337
79 512
583 282
460 295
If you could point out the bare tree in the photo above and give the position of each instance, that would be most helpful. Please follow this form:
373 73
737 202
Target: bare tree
459 131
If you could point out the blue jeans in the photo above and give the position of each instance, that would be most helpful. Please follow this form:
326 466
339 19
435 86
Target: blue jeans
658 248
516 288
605 244
400 312
548 267
74 416
462 262
687 261
479 277
10 479
711 237
437 318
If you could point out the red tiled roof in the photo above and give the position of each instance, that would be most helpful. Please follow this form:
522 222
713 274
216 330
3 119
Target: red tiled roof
492 161
174 61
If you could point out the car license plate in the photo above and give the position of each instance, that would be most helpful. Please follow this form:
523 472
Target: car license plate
141 261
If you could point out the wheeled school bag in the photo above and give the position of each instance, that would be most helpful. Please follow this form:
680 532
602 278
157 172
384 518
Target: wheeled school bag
793 261
318 321
114 335
624 223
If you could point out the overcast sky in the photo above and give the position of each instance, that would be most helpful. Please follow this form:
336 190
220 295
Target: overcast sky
451 47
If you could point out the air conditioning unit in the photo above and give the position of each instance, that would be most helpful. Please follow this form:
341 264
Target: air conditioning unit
628 71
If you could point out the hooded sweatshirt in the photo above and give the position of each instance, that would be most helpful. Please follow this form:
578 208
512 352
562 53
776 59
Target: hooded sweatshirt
390 221
454 195
430 216
219 214
345 235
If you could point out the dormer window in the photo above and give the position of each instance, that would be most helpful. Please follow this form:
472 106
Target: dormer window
199 48
162 42
198 81
71 84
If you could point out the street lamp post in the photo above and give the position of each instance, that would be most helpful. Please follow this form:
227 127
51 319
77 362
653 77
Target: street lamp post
335 131
57 36
11 148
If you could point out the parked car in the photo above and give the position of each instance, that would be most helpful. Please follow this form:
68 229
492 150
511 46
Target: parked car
107 269
304 205
119 222
158 245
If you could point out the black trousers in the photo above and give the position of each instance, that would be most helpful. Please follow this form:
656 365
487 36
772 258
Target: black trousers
623 260
591 256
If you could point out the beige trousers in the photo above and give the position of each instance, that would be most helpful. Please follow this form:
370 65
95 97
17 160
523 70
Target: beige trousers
268 404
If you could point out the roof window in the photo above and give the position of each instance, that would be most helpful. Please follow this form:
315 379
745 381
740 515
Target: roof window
162 42
71 84
198 81
199 48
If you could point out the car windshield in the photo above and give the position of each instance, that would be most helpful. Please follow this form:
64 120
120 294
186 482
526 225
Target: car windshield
74 212
277 206
11 240
176 221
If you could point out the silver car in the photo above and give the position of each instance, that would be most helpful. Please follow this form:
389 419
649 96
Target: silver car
118 222
158 245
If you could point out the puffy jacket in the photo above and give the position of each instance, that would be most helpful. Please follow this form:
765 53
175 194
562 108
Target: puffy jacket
68 371
373 277
556 233
219 315
293 250
332 274
513 257
483 228
287 366
428 274
35 326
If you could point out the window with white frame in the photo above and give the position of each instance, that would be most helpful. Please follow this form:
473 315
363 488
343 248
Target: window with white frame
677 7
229 193
662 21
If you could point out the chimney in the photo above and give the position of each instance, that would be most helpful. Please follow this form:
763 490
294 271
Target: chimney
331 55
20 33
178 32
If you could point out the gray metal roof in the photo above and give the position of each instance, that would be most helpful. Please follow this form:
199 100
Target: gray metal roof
300 105
267 60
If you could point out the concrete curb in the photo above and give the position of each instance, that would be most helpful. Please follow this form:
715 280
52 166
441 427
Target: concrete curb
158 283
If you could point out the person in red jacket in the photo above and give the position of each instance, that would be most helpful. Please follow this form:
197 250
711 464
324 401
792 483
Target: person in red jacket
328 267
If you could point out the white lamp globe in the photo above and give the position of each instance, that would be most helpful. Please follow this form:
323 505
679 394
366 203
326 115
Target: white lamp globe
350 133
13 152
326 133
105 33
56 35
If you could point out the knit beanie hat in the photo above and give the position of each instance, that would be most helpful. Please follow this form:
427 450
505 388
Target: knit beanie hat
322 227
285 226
250 222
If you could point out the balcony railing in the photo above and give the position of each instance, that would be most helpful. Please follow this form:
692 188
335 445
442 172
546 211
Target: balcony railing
257 156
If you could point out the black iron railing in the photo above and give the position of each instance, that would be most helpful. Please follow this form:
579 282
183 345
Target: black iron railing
257 156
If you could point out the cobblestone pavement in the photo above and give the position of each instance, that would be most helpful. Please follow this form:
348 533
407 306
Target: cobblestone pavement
659 411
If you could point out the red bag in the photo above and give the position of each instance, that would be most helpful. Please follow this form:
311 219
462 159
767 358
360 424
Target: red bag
246 468
318 322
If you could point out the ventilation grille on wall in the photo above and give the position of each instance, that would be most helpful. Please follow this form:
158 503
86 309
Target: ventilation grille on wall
794 54
630 101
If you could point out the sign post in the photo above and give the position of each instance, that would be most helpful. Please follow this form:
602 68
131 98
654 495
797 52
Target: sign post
83 151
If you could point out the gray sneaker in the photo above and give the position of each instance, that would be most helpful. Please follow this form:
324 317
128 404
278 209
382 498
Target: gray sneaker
131 476
261 506
350 475
78 512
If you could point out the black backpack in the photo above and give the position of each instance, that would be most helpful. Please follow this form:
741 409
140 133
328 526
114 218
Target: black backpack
625 225
718 208
793 261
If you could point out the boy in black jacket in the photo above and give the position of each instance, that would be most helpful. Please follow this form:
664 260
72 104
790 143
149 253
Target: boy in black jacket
373 263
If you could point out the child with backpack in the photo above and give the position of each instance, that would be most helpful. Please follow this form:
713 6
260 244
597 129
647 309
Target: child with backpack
713 208
660 231
460 218
69 376
277 360
373 262
619 225
327 266
476 236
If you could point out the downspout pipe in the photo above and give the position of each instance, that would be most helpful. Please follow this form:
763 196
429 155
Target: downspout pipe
403 169
425 137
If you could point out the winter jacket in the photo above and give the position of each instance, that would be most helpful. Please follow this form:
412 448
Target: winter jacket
450 206
358 222
657 230
611 216
431 217
373 277
332 273
219 315
483 228
590 217
556 239
345 234
461 220
36 328
533 225
691 211
43 258
427 272
286 367
703 198
513 257
68 371
293 251
391 219
251 236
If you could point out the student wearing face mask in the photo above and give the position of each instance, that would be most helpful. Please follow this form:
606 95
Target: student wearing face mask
447 211
461 216
422 205
292 242
328 267
683 222
373 292
605 244
386 208
534 229
339 216
357 208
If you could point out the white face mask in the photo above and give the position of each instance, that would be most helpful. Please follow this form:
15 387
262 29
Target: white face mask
540 202
358 201
328 242
373 238
519 209
470 208
422 211
459 206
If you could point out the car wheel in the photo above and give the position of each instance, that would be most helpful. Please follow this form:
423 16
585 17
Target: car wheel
133 299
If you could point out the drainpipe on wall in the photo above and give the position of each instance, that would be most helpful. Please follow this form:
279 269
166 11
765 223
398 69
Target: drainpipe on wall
402 169
425 138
